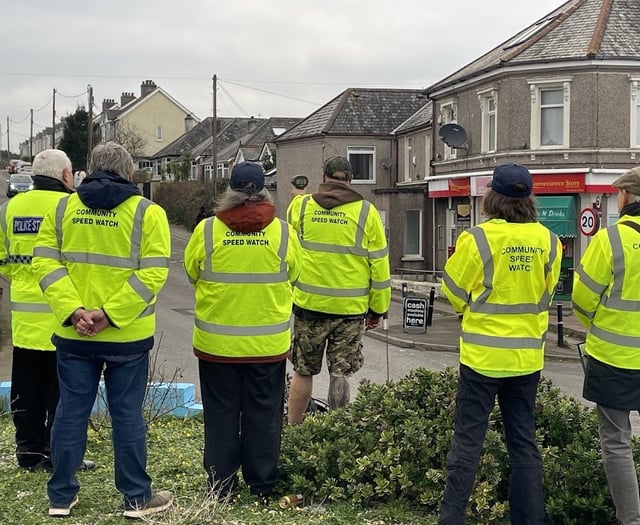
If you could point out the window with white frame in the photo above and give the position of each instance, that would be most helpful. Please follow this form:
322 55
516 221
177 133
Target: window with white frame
412 233
449 115
489 109
427 156
222 169
158 132
362 160
408 155
635 112
550 111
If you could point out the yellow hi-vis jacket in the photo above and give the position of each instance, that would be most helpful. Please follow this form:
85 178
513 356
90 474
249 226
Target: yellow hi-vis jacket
606 295
117 260
501 277
32 321
345 262
243 288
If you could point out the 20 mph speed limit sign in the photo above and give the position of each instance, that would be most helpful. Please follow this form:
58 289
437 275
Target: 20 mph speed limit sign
588 222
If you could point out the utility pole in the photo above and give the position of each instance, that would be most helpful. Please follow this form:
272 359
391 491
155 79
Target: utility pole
8 143
90 126
214 142
31 137
53 128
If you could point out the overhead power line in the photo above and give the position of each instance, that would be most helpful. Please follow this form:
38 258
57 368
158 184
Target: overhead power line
21 121
242 110
272 93
84 93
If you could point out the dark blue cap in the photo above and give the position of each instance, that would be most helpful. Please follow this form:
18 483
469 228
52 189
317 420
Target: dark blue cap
247 177
511 180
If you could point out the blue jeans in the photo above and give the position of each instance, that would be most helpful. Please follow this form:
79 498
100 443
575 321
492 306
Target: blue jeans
125 378
474 401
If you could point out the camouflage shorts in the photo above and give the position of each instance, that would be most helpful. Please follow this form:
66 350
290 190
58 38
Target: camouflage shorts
342 339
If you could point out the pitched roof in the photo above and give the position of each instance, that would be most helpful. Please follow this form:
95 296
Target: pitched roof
127 108
200 132
359 111
251 143
229 130
577 30
420 119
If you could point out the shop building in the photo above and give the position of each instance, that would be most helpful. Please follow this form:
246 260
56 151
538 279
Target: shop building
562 97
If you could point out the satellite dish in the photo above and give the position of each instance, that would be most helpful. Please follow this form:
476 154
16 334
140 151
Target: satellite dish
453 135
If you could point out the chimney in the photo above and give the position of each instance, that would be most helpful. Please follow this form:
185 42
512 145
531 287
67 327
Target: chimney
252 123
125 98
147 87
107 103
189 122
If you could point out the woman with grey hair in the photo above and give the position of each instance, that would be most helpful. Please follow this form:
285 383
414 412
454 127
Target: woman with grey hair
242 263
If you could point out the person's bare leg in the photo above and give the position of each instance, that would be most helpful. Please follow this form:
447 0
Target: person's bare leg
299 395
339 394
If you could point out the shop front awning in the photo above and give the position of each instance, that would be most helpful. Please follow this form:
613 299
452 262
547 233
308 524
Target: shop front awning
559 214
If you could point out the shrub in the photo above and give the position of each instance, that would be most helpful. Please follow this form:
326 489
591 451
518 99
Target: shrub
182 200
391 443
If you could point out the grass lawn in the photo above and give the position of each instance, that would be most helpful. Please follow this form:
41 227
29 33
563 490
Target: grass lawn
175 463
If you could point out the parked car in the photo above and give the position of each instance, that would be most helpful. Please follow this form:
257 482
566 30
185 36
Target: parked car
16 165
18 183
13 166
25 167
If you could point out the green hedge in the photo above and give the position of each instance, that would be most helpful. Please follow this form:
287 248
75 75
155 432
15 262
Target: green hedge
391 443
182 200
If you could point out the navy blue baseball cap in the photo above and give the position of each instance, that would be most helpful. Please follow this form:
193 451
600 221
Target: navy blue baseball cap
247 177
511 180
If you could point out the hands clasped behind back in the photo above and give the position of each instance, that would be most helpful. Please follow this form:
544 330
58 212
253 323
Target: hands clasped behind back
89 322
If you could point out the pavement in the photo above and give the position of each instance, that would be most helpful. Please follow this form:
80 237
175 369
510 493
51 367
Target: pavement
444 332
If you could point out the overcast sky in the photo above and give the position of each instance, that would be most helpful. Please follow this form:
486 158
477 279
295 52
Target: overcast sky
272 58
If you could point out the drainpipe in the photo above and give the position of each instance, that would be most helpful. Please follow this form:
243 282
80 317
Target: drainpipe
432 173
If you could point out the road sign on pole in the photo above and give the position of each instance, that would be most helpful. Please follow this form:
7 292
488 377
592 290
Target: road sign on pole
588 222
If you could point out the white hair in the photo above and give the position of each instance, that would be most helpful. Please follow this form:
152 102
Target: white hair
111 157
51 163
233 198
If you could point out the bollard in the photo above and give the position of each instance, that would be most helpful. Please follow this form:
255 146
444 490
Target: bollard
560 327
432 298
405 289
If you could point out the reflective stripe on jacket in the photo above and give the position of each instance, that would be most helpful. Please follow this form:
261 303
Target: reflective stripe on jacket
606 295
32 321
501 277
345 259
117 260
243 288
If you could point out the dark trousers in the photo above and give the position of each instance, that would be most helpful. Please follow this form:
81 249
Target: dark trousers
474 401
243 411
34 396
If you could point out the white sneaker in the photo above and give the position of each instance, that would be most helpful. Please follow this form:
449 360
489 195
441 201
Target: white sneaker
60 512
